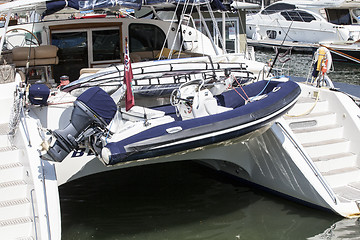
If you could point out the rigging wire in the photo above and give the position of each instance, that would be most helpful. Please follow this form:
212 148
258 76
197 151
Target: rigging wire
216 27
168 31
187 25
178 29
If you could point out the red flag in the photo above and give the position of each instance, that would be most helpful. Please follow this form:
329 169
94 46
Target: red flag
128 76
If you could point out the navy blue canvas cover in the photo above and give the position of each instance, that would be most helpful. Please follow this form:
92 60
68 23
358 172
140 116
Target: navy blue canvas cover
54 6
38 94
100 102
85 5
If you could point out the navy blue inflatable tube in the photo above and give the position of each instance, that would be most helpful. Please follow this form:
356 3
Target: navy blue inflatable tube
279 96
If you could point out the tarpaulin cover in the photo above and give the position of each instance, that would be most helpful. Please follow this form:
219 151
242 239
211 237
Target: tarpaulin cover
54 6
84 5
97 4
38 94
100 102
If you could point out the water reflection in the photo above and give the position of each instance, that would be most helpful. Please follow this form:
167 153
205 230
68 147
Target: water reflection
181 200
343 229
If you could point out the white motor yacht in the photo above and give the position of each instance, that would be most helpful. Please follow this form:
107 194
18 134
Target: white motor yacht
307 24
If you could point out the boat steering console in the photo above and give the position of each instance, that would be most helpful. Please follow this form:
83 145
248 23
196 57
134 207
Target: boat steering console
192 100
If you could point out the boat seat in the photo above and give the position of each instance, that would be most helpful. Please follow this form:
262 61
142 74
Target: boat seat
212 107
206 105
137 113
142 56
89 70
84 72
37 56
155 54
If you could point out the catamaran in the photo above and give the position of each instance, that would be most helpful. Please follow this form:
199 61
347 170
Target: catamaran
37 55
202 111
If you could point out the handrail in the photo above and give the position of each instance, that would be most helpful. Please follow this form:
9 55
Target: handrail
24 125
45 199
33 210
309 162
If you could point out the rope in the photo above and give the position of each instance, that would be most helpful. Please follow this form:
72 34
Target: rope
248 99
108 133
240 94
262 90
58 103
342 54
307 111
15 115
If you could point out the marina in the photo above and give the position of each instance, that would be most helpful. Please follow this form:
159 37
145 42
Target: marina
165 95
249 212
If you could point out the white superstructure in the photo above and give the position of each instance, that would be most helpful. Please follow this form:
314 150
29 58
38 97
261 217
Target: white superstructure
311 22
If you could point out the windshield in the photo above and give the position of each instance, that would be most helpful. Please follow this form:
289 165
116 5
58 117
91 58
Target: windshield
277 7
339 16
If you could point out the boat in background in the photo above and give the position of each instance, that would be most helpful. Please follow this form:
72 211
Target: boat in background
307 25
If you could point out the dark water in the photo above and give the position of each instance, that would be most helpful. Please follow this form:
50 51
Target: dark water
181 200
185 200
299 65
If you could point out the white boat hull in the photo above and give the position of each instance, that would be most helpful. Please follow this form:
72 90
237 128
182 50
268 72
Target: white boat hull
321 173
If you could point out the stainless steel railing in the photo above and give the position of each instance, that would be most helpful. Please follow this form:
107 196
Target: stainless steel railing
309 162
33 211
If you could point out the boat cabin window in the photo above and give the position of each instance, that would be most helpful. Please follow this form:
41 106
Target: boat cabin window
298 15
339 16
145 37
271 34
106 45
231 32
29 38
277 7
85 48
73 54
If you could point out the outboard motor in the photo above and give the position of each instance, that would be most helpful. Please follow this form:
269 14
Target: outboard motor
92 109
